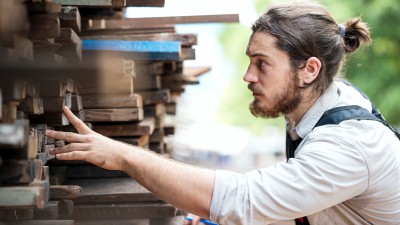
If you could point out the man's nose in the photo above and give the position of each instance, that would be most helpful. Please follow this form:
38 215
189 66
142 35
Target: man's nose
250 77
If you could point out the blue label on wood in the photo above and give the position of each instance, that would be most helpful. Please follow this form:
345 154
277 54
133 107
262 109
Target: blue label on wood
162 50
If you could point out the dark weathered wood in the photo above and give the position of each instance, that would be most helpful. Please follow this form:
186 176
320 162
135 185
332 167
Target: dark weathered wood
176 81
65 209
149 68
188 53
114 222
58 175
70 18
186 40
23 48
147 3
112 101
154 110
91 171
48 212
44 26
41 222
12 89
129 23
9 112
64 191
157 147
93 3
120 31
109 190
76 103
169 129
157 96
21 197
147 82
56 104
16 214
140 141
45 185
171 108
13 21
176 220
157 136
43 7
51 119
1 105
117 115
53 88
123 211
33 88
71 45
32 105
126 129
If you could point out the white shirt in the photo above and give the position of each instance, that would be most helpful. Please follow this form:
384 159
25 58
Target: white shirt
341 174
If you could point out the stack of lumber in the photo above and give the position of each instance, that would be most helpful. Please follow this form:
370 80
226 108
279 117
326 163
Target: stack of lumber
121 76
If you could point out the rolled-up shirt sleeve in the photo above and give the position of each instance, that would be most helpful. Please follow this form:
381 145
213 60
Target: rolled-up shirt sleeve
324 173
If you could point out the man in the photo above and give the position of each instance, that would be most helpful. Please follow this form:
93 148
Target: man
343 161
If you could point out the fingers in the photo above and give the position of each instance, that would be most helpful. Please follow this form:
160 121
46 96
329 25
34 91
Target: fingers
73 147
66 136
76 155
76 122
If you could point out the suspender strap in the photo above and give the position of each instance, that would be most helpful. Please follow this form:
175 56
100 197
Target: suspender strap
340 114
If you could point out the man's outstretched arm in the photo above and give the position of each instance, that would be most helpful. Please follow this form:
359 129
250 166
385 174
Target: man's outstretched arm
184 186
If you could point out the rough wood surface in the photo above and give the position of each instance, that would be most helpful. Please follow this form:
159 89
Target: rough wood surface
70 18
43 26
123 211
147 3
64 191
41 222
11 214
126 129
116 115
140 141
92 3
91 171
145 82
21 197
112 101
48 212
114 222
157 96
111 190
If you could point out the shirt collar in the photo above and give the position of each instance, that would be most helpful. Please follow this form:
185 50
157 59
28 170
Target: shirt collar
326 101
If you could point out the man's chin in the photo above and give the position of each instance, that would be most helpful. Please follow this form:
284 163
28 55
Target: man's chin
261 113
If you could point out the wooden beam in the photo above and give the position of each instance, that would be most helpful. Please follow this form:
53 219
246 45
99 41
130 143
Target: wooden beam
48 212
16 214
147 82
21 197
31 105
140 141
43 26
90 171
186 40
195 71
92 3
145 50
112 101
147 3
126 129
64 191
123 211
70 18
130 23
116 115
154 97
19 171
120 31
41 222
43 7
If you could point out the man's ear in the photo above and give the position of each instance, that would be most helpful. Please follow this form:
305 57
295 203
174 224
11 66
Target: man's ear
311 71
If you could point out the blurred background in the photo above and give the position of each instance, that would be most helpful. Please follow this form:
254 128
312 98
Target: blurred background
214 127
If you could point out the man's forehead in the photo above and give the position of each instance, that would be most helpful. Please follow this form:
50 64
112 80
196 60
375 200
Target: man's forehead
261 43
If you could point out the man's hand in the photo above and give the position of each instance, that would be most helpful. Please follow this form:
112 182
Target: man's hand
194 221
88 145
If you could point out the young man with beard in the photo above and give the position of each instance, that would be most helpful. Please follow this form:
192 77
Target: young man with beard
343 162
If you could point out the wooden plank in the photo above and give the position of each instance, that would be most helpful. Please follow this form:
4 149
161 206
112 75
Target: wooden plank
171 108
88 31
91 171
117 115
21 196
1 105
169 220
195 71
76 103
15 90
70 18
48 212
58 175
169 129
9 111
147 82
138 50
32 105
71 45
65 209
186 40
129 23
64 191
157 147
188 53
149 68
43 26
109 190
147 3
154 97
154 110
13 21
23 48
92 3
157 136
41 222
16 214
126 129
115 222
51 119
53 88
112 101
14 135
56 104
19 171
45 185
123 211
43 7
140 141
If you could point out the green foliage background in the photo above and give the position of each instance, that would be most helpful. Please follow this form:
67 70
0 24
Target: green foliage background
374 69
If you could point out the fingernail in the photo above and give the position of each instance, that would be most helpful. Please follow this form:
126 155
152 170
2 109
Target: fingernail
48 132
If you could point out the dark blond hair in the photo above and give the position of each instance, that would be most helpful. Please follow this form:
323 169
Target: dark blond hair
306 29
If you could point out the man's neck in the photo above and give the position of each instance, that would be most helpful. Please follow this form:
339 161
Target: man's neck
295 116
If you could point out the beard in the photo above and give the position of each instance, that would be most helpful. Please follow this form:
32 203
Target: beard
284 102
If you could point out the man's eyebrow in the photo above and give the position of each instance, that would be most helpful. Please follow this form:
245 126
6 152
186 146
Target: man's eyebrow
255 54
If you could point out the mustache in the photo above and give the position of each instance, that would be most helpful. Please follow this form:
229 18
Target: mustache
255 88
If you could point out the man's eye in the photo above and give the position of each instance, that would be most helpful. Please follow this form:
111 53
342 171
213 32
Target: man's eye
261 64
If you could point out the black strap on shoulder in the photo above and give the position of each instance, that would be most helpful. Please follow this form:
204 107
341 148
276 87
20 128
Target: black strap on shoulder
340 114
